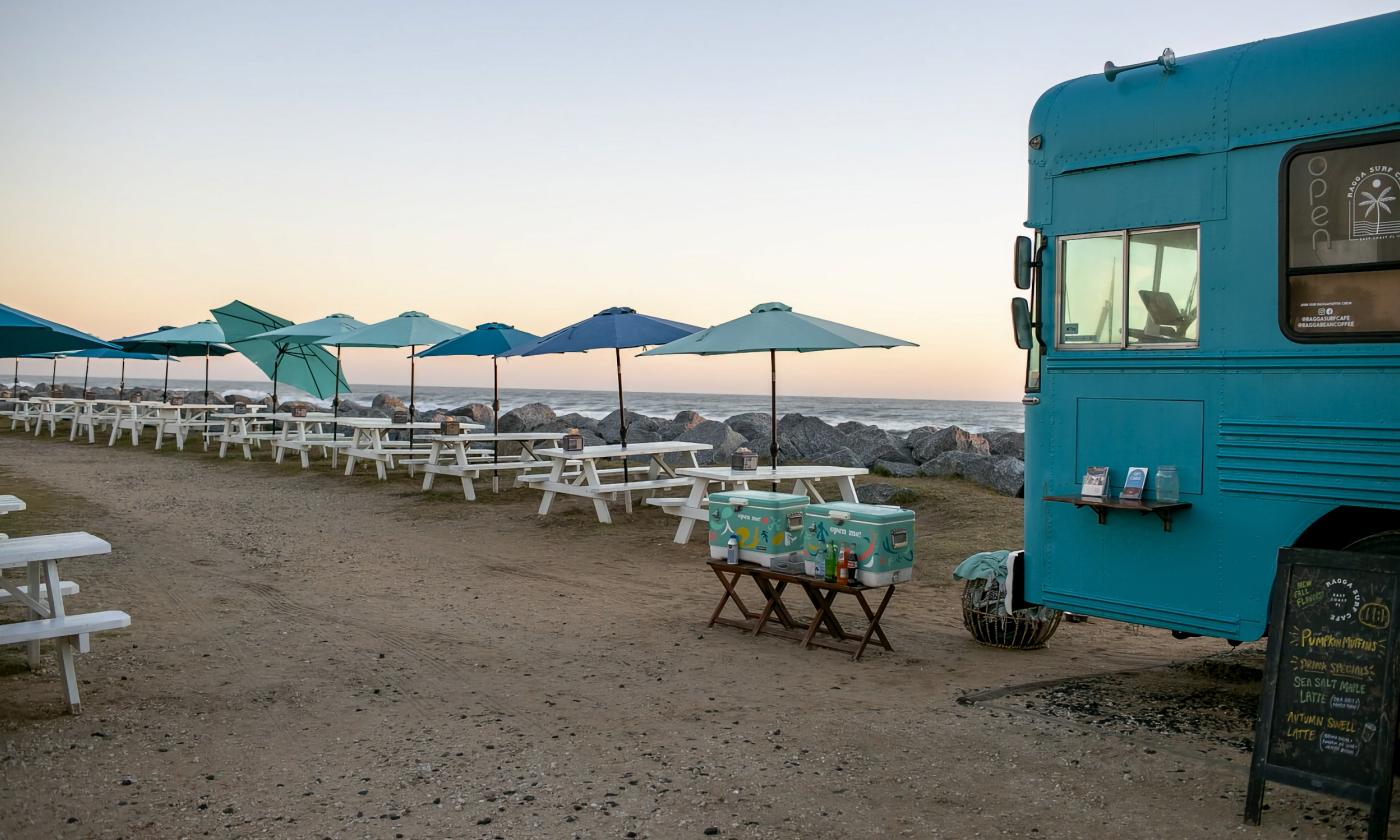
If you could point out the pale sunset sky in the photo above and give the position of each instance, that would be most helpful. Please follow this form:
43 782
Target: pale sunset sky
536 162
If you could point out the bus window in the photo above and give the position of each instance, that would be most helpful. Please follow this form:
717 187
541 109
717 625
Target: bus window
1163 281
1341 230
1091 283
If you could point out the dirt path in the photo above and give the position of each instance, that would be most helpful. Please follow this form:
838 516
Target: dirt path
317 656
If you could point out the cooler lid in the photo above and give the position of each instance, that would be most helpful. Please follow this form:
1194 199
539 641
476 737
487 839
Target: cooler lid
865 513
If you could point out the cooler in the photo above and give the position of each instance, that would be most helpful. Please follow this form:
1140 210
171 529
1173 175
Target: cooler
882 536
768 525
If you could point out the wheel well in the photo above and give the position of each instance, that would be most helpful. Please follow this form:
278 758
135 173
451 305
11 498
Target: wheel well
1345 525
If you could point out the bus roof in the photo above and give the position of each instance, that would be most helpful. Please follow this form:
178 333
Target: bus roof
1335 79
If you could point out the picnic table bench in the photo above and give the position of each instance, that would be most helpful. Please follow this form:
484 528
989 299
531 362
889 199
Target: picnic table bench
244 430
43 595
819 592
589 484
452 455
371 441
303 434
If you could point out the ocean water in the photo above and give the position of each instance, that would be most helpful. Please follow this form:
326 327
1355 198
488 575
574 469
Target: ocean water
891 414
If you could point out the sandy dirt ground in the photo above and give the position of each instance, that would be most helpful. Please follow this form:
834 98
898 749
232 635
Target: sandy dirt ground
319 656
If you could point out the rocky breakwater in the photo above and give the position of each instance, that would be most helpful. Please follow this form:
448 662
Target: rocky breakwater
994 459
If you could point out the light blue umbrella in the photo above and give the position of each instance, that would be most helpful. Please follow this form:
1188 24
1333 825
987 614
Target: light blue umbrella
300 364
204 338
311 332
768 328
22 334
100 353
492 340
411 330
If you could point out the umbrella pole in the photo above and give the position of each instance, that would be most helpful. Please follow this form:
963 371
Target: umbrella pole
16 375
121 386
87 368
773 409
622 428
53 377
495 422
412 389
335 403
206 373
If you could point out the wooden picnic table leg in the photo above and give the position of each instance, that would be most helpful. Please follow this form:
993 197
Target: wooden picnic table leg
730 592
772 594
775 596
874 622
823 603
848 488
556 474
595 484
819 617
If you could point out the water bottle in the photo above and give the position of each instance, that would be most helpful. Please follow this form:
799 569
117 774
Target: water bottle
731 553
1167 485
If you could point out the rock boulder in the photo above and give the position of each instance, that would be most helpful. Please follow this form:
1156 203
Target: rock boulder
757 429
886 494
872 444
724 440
803 438
926 447
527 418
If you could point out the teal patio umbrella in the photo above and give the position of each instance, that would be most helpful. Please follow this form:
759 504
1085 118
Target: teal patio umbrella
312 332
771 327
22 334
411 330
204 338
492 340
96 353
300 364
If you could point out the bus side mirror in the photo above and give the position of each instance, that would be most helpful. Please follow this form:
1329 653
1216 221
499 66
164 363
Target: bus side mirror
1025 261
1021 322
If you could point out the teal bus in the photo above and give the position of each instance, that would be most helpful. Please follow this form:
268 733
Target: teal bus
1213 287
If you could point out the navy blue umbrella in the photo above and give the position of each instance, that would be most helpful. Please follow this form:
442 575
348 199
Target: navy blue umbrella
615 328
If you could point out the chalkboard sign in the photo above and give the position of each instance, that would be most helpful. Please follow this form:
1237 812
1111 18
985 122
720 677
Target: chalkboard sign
1327 713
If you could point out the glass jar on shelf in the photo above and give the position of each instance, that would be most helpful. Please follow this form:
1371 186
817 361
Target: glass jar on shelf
1167 485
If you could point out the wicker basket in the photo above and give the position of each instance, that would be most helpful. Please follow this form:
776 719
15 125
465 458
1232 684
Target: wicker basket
1021 630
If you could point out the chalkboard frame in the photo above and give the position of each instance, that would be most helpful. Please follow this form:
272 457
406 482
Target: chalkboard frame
1375 795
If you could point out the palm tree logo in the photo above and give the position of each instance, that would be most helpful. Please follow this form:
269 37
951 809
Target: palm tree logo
1376 202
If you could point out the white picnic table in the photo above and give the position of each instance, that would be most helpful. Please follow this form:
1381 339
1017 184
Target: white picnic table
21 412
303 434
42 594
804 478
244 429
370 440
589 482
453 455
10 504
93 415
53 410
179 420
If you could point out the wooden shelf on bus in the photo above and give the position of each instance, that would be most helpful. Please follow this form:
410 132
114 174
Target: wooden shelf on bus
1102 505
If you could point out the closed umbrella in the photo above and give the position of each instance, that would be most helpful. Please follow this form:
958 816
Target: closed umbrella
312 332
492 340
300 364
615 328
771 327
204 338
411 330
